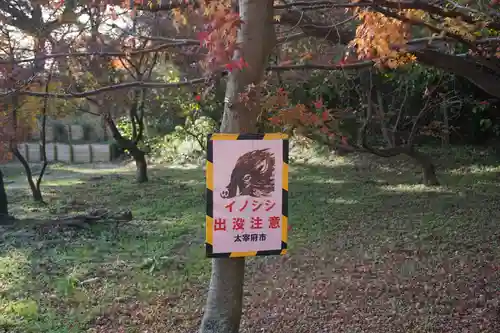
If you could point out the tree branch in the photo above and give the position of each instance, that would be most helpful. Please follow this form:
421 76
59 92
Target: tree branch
462 66
152 84
464 13
183 42
351 66
158 6
311 28
126 85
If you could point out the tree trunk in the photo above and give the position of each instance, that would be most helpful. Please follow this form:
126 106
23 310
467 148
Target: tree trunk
43 136
36 193
4 206
141 165
429 176
124 143
381 111
257 38
445 138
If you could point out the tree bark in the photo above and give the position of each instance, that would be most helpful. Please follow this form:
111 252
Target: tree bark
429 176
382 116
257 38
141 175
138 155
4 205
35 192
43 136
445 138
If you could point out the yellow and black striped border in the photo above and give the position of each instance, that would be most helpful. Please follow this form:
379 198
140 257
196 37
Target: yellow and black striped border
210 187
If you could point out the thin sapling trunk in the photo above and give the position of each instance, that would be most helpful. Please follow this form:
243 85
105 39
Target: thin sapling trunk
256 39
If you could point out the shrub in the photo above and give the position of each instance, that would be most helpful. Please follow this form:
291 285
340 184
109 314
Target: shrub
186 143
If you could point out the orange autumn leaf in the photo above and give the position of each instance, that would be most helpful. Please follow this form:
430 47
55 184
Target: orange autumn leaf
306 56
116 63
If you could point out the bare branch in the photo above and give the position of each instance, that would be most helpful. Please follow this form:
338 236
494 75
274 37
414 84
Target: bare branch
352 66
163 85
292 37
126 85
158 6
183 42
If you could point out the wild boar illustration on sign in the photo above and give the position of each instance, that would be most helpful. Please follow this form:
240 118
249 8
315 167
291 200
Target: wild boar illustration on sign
252 175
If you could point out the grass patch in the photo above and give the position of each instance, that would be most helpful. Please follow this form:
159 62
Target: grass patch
71 280
73 275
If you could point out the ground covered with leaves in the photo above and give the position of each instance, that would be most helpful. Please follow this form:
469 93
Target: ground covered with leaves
370 252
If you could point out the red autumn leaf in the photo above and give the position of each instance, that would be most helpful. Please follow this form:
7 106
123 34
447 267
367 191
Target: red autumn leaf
484 103
324 129
198 98
274 120
318 104
202 36
282 92
314 118
304 119
58 4
242 63
325 115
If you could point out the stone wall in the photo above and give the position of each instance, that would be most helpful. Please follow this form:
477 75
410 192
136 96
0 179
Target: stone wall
71 139
84 127
71 133
63 152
